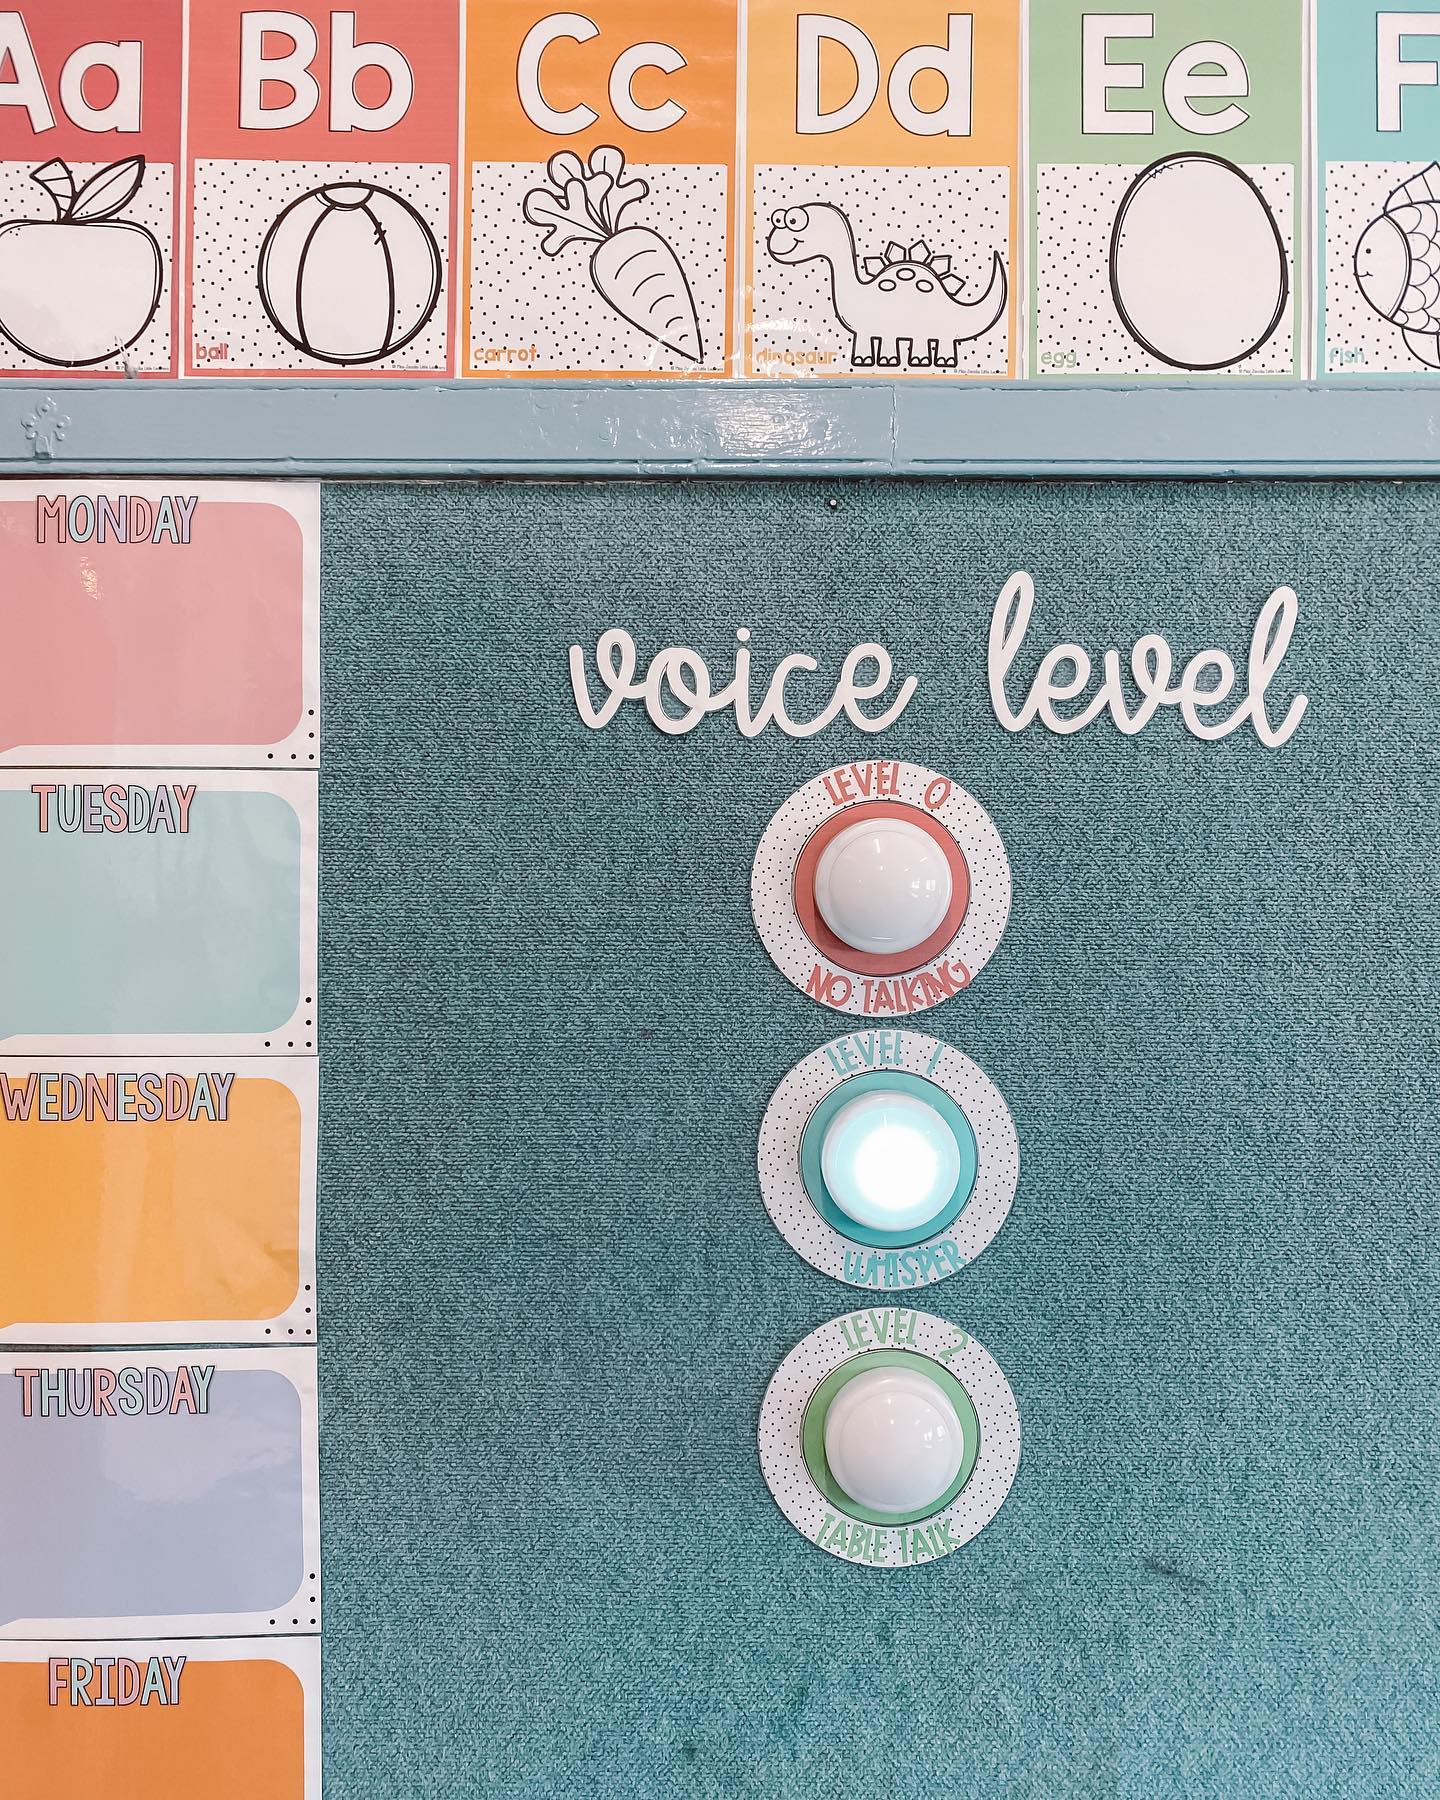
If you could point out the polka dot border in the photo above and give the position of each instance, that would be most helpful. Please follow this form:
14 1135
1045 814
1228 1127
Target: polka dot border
793 1213
782 1459
772 896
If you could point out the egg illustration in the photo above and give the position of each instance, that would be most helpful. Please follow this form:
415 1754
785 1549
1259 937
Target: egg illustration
349 273
1198 269
1397 264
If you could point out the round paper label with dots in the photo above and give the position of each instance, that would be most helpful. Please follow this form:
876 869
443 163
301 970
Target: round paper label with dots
792 1435
887 1060
880 985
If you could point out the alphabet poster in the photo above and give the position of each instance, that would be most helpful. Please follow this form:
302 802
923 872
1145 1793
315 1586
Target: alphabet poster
322 152
1377 117
601 153
148 1719
1167 158
90 109
883 145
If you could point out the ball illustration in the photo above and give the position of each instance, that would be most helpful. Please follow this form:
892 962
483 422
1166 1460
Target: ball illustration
350 273
1197 265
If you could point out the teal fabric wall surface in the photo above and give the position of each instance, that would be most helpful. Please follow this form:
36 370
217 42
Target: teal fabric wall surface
552 1298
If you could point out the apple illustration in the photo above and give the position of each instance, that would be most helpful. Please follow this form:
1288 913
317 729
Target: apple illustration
81 287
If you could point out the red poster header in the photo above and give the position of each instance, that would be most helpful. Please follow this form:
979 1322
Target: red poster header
91 80
379 81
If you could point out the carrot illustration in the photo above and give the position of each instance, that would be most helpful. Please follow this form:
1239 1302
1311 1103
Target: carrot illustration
634 270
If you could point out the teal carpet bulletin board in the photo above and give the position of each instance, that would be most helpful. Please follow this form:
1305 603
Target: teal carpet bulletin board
553 1299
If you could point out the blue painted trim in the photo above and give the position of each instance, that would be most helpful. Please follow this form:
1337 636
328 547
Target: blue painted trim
368 428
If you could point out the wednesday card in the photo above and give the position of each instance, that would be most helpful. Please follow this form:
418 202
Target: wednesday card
157 1719
883 149
156 622
158 912
155 1491
170 1202
1167 206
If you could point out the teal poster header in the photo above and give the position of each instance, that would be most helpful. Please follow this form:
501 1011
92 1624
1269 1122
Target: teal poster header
1377 81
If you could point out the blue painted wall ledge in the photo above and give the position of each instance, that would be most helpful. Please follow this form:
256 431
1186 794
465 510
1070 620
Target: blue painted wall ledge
1305 430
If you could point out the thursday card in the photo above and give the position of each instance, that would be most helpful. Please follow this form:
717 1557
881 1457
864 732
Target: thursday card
154 1491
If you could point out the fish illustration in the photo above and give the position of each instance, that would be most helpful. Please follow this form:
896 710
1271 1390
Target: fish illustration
1397 264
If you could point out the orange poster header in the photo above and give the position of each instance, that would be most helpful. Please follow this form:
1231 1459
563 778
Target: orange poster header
655 79
885 82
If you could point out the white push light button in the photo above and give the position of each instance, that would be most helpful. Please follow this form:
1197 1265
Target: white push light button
890 1161
883 886
893 1441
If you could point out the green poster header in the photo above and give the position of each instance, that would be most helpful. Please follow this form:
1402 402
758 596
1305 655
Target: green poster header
1225 77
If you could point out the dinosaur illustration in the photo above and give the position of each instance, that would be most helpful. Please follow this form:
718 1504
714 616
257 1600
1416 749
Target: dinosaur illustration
900 307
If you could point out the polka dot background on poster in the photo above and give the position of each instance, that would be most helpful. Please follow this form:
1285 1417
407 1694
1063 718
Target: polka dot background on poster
236 203
960 213
884 998
1358 340
523 301
946 1251
153 207
1077 327
782 1417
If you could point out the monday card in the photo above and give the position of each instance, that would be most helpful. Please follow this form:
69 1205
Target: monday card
170 1201
155 1491
170 912
600 149
1377 127
156 622
1167 206
158 1719
322 166
883 143
89 180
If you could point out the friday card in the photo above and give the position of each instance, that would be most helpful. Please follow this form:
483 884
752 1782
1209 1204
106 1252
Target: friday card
600 150
1167 206
322 155
152 1719
154 1491
89 179
170 914
1377 125
172 1202
882 144
155 623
